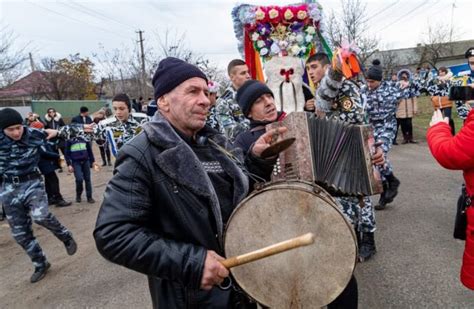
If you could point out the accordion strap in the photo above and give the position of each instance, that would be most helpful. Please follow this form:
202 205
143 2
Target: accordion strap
294 95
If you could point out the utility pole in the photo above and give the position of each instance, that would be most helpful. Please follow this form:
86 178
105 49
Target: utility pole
140 35
453 6
32 63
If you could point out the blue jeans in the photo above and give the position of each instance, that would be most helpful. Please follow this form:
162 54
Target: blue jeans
82 172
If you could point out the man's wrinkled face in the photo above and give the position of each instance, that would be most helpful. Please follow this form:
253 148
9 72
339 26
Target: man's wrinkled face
239 75
263 109
187 105
120 110
373 84
14 132
316 71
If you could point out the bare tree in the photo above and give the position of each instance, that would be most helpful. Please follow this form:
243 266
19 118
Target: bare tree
437 42
174 45
389 60
351 25
120 72
11 57
120 69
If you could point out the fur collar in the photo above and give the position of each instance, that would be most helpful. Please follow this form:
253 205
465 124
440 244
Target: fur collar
56 118
178 161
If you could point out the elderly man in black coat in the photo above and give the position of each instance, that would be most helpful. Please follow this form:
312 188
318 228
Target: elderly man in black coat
173 190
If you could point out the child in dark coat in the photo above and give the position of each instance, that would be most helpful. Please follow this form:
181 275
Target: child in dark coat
80 159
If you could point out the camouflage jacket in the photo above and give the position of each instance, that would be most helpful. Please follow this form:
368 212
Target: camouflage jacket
413 90
118 133
435 87
341 99
230 118
212 119
382 102
462 107
21 157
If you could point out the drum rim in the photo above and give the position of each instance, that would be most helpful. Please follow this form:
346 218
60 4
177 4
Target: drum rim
269 186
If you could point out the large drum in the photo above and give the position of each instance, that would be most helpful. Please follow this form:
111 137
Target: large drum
309 277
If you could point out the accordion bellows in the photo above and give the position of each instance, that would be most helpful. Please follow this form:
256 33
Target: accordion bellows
331 153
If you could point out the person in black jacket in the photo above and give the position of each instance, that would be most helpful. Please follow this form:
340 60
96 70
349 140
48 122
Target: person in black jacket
174 188
54 120
83 117
258 105
48 164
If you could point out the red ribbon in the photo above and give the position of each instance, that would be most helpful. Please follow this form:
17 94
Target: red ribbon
287 73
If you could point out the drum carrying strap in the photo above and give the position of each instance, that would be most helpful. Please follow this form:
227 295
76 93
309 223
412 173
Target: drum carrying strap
234 159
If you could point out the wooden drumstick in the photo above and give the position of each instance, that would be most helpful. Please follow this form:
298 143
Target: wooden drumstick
303 240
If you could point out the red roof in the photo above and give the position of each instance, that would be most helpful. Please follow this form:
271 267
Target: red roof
29 85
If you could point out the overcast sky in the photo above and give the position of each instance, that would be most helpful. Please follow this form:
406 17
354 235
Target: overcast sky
59 28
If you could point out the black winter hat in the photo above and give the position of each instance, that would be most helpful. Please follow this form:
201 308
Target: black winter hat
375 72
249 92
469 52
171 72
9 117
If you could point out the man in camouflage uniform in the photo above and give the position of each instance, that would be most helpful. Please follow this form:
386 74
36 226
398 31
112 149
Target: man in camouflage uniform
122 126
342 99
22 192
464 107
382 102
230 118
212 115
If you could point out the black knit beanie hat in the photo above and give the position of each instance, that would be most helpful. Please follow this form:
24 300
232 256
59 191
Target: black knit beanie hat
171 72
9 117
469 52
375 72
123 97
249 92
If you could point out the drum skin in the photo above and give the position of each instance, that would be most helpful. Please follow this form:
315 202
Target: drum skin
305 277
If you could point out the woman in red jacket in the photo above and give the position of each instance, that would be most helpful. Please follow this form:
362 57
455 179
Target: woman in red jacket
457 153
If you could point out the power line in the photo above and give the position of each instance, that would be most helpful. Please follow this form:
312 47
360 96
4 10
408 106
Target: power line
404 16
73 19
382 10
99 14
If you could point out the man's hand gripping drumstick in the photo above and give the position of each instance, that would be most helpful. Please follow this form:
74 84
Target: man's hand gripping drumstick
216 267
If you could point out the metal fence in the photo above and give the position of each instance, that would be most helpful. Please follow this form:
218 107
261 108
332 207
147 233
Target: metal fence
67 108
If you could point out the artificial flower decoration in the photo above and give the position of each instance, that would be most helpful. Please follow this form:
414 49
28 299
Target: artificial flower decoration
301 15
259 14
345 59
288 14
273 14
280 31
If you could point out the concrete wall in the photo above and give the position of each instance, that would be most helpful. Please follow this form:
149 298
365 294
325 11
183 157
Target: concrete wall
23 110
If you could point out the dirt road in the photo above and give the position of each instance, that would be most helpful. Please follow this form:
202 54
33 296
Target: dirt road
417 264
